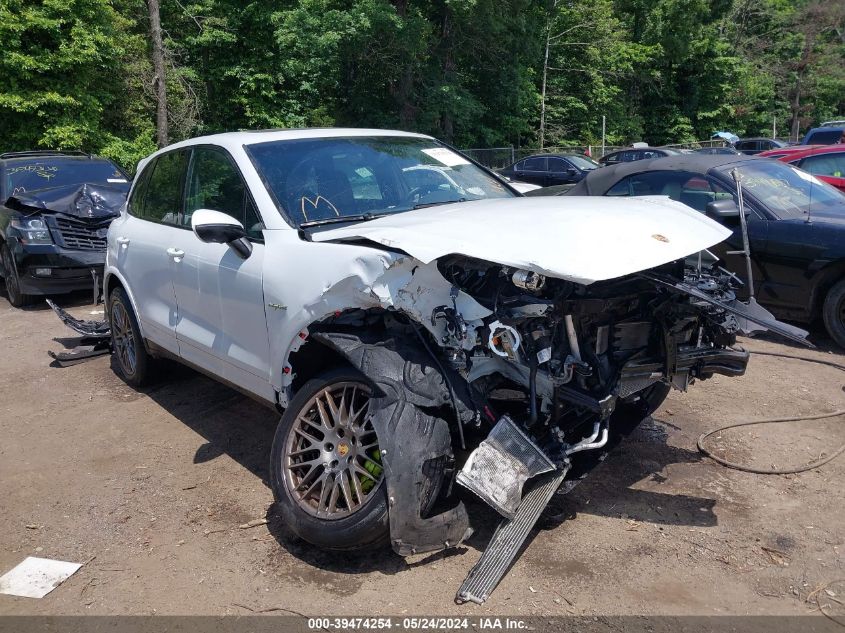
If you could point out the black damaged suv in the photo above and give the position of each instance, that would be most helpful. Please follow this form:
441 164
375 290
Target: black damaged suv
55 210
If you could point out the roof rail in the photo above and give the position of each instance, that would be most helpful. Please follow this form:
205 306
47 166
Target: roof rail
45 152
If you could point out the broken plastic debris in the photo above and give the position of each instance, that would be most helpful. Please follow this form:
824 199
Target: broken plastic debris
36 577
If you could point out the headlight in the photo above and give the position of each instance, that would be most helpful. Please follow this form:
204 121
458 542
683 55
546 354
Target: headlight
33 230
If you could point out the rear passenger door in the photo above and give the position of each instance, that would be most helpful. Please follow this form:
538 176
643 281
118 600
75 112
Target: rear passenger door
534 170
142 239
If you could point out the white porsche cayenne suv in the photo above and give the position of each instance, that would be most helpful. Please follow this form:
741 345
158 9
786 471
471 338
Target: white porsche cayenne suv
398 304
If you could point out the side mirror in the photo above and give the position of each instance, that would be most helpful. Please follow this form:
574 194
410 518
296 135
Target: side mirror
220 228
721 210
571 172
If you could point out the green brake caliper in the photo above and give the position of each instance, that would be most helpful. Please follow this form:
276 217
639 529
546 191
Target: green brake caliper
373 466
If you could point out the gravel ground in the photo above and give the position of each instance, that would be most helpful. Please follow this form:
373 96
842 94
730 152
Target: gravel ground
151 488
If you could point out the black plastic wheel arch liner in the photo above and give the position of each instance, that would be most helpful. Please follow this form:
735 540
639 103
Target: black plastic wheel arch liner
407 387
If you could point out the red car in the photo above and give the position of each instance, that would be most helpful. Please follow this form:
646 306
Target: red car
826 162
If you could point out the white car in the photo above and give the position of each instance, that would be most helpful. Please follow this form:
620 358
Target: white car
394 324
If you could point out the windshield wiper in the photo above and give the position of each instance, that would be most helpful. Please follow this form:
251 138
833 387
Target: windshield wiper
361 217
424 205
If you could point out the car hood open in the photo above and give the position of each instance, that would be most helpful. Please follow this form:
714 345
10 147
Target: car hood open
581 239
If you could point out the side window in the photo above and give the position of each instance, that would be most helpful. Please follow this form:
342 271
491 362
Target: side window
519 166
538 163
558 166
825 164
214 183
621 188
674 184
612 159
162 201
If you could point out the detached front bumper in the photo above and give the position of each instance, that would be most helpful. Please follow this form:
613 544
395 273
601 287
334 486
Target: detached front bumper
49 269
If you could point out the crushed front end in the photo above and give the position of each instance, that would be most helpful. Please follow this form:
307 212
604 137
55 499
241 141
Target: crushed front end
57 237
560 357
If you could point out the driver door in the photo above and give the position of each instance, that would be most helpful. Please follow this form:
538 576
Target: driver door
222 325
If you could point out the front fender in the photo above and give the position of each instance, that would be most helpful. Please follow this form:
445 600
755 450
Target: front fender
415 445
387 282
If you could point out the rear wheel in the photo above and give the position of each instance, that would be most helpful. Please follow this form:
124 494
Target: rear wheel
326 470
833 313
128 345
13 286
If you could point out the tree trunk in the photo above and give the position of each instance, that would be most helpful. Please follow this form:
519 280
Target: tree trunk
543 90
158 67
447 121
796 109
404 91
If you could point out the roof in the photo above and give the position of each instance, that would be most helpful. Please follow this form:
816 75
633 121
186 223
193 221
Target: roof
250 137
818 134
647 148
812 150
234 141
45 154
788 151
555 155
598 181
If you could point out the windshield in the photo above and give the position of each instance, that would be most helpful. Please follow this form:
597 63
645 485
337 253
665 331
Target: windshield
787 191
326 179
582 162
23 176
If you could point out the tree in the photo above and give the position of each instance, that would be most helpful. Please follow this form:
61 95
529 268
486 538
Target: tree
160 79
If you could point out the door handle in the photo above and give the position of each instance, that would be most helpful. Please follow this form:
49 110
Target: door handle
176 254
122 241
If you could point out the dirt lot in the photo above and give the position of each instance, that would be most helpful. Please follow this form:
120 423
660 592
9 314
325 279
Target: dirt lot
152 487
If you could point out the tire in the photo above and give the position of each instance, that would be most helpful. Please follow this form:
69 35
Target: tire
13 292
130 352
833 313
306 473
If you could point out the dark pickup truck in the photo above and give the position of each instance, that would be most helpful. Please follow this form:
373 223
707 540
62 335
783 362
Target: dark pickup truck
55 210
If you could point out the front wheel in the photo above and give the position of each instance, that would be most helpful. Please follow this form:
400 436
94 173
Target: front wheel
13 286
326 470
833 313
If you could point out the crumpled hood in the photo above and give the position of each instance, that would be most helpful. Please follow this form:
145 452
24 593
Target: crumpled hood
83 201
580 238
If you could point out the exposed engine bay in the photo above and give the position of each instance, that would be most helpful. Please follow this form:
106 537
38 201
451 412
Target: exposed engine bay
557 355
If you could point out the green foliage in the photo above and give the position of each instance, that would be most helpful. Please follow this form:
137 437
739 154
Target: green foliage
58 72
77 73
